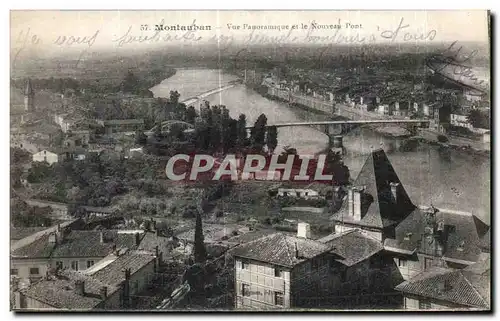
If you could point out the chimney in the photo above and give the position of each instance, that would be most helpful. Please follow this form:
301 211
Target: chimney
101 237
296 250
58 228
357 196
126 288
52 238
80 287
350 201
137 239
304 230
127 274
103 292
394 191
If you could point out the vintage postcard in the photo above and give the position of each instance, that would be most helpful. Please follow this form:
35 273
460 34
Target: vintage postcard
250 160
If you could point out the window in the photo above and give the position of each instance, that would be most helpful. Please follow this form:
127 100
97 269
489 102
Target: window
427 263
245 265
14 271
90 263
278 273
34 271
278 298
245 289
314 264
59 265
74 265
402 263
45 158
424 305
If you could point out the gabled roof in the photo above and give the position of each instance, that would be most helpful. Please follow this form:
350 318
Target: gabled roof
77 244
462 236
113 273
353 246
281 249
59 291
469 287
379 208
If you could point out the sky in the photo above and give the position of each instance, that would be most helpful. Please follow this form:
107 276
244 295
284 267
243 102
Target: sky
59 31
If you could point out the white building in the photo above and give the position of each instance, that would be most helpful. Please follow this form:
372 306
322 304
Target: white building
47 156
460 120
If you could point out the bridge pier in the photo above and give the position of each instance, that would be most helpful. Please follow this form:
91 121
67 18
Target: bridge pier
335 138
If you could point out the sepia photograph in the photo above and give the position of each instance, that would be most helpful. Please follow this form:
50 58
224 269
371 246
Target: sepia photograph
250 161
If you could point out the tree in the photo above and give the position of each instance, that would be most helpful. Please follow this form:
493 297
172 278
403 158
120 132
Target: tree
190 115
442 139
140 138
200 252
479 119
272 138
174 97
258 132
242 130
131 83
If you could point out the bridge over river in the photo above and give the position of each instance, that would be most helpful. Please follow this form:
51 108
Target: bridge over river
335 128
192 100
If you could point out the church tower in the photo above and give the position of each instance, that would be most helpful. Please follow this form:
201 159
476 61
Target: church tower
29 96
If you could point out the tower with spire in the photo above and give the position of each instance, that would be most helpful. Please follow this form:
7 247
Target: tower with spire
29 97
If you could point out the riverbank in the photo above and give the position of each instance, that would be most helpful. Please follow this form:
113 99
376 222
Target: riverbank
387 131
456 143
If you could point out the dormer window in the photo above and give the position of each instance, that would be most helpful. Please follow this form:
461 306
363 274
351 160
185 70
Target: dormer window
440 226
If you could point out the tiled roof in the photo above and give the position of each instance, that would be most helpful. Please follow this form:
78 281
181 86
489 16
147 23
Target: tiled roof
461 235
352 246
59 291
281 249
151 240
113 273
469 287
77 244
379 209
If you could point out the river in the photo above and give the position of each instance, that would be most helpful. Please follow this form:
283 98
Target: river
446 178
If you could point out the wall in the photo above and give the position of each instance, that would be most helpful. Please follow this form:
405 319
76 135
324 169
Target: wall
262 284
23 266
142 278
82 262
311 279
416 264
30 303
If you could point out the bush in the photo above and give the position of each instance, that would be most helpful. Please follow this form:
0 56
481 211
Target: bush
442 139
